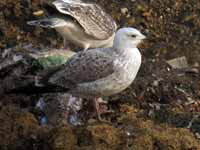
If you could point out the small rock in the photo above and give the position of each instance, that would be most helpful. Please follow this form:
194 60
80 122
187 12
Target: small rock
178 63
156 83
43 120
196 64
17 58
38 13
124 10
197 135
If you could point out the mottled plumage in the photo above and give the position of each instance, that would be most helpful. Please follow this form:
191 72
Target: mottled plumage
102 71
84 24
84 67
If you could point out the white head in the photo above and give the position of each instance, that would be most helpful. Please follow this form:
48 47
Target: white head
127 38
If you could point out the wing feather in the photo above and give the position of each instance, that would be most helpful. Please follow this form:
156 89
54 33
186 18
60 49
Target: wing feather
86 66
94 20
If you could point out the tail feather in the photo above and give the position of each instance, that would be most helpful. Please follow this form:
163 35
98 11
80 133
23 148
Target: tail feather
30 86
32 89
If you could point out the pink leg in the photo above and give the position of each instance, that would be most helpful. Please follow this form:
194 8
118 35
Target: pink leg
100 107
97 107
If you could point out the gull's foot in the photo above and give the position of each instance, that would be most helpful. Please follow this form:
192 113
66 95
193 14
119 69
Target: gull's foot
101 107
94 108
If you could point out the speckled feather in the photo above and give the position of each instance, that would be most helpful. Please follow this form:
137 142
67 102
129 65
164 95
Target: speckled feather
94 20
84 67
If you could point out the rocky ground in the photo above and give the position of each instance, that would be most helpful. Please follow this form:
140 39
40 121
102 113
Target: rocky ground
160 111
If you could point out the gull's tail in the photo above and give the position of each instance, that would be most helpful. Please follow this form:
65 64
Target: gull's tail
48 22
38 84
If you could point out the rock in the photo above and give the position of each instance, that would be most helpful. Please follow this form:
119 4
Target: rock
124 11
178 63
38 13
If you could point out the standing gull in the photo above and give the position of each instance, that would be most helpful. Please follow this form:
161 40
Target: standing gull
86 25
101 72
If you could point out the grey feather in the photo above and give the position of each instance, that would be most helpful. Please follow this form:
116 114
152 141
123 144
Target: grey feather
84 67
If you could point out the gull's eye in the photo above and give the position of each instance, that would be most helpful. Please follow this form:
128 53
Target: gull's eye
133 36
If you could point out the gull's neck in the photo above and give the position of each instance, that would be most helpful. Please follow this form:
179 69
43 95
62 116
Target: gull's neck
124 48
122 45
127 51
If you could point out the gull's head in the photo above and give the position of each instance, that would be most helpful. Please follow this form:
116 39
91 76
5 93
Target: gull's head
128 38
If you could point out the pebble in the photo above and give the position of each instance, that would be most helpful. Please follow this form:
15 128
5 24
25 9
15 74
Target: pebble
178 63
38 13
43 120
124 10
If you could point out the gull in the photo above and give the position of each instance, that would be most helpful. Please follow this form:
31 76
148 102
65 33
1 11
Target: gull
86 25
101 72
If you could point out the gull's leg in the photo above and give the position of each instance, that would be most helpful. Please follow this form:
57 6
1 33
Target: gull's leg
101 107
97 107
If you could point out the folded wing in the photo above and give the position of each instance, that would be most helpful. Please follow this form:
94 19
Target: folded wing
86 66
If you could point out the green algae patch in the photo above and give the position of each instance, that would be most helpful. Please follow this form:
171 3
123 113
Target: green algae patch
51 61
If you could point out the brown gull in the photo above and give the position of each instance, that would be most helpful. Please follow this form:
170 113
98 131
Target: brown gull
86 25
101 72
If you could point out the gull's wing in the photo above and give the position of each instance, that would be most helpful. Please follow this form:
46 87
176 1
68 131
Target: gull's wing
94 20
86 66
